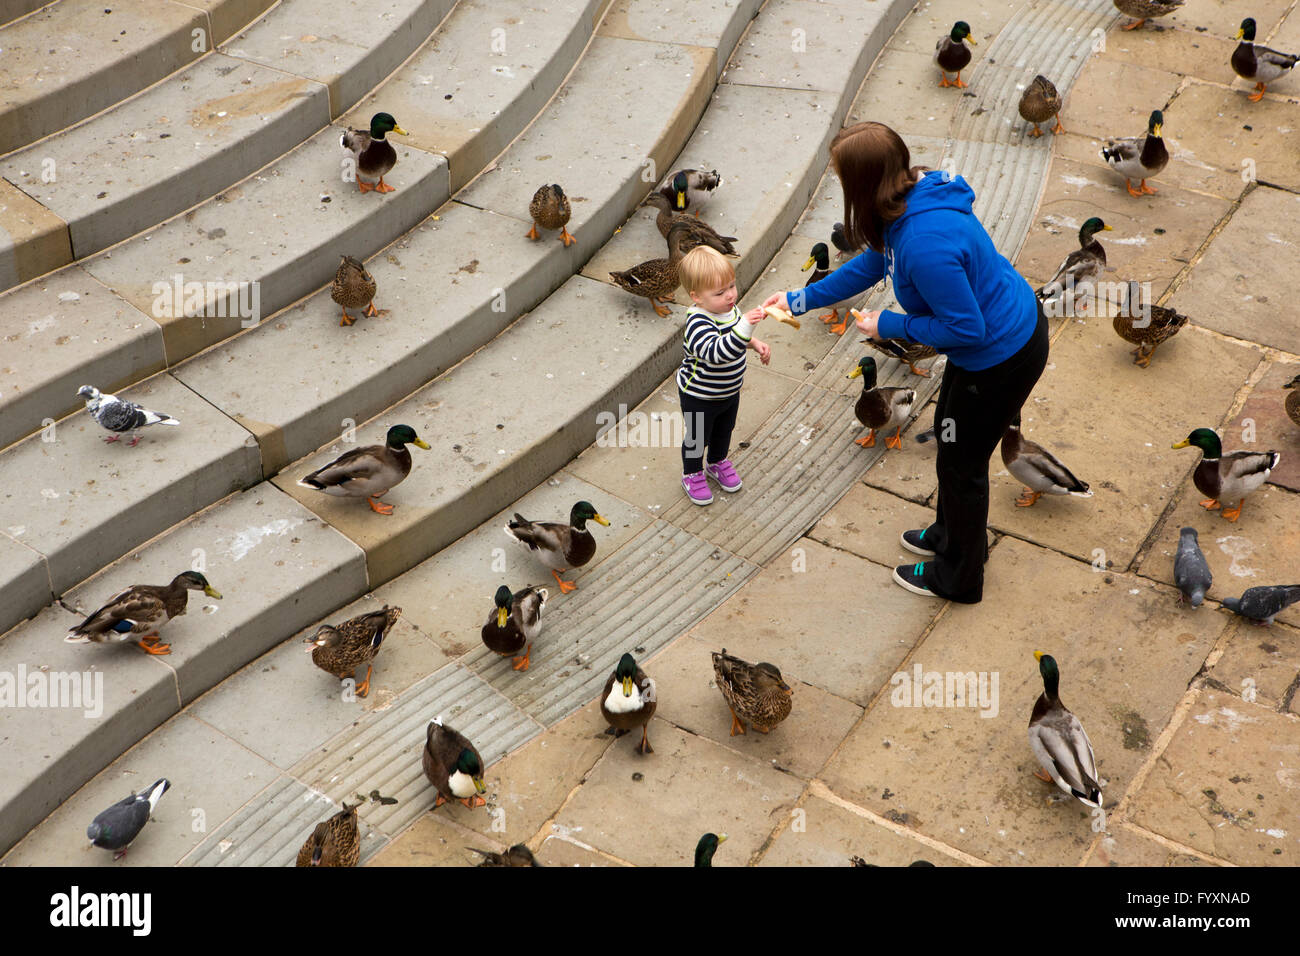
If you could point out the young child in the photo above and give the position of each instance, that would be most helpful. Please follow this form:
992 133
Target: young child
712 370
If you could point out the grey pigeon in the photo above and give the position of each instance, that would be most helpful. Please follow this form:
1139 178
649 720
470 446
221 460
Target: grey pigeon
1191 572
1262 604
116 827
118 415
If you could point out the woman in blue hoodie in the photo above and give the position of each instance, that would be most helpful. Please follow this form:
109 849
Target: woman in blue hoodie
964 299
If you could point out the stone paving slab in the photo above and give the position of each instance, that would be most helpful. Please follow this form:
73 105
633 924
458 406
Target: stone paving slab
177 144
271 829
1152 240
1270 143
121 695
556 851
287 256
1096 110
1128 846
248 705
933 19
292 38
1259 238
847 640
33 241
690 699
1233 794
1221 17
24 579
72 332
831 835
256 549
50 88
211 777
717 25
1183 51
434 841
85 503
688 784
1263 660
1125 659
1265 411
481 78
1125 456
1256 549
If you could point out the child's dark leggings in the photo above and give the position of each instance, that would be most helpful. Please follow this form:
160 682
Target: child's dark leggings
975 409
708 425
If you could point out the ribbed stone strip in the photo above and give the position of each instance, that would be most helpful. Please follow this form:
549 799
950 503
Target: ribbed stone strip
638 601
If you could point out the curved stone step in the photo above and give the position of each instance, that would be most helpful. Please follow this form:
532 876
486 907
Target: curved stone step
11 10
76 57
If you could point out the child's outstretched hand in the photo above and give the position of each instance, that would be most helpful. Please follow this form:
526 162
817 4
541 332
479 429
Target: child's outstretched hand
764 351
755 315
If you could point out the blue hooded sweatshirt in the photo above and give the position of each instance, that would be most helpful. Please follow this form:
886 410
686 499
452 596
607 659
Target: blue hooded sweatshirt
962 296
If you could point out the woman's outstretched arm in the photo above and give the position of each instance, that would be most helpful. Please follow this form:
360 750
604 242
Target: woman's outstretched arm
856 276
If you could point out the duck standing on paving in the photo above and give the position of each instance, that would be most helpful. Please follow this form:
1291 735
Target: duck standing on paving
1081 269
628 701
963 298
1145 10
1191 571
707 846
1040 103
120 824
341 650
368 472
1147 329
139 609
689 189
1227 477
1040 470
560 546
374 155
1293 400
1139 157
1260 605
354 287
952 55
453 765
120 416
515 623
334 842
550 209
1250 61
820 256
1059 741
754 692
880 409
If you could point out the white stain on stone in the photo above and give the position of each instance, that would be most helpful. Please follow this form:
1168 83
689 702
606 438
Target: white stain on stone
1237 548
40 325
1234 720
248 539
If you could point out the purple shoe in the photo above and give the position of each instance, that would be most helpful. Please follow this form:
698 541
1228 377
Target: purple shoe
724 474
697 488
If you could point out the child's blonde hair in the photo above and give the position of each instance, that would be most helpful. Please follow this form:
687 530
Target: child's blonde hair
704 268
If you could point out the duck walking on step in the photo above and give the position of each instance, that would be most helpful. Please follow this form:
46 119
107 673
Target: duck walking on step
139 610
374 155
550 209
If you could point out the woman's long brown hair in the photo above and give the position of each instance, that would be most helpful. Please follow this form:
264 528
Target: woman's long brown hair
875 171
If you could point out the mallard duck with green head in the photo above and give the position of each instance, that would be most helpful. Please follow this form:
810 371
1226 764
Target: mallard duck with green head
368 472
1059 741
628 701
755 693
657 279
1293 400
1039 103
1038 469
819 260
334 842
1139 157
341 650
139 610
550 209
1251 61
1227 477
952 55
1145 10
374 155
707 846
880 409
689 189
1147 328
453 765
560 546
354 287
515 623
1081 269
698 232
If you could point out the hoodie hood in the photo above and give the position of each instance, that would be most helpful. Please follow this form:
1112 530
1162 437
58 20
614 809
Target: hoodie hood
935 190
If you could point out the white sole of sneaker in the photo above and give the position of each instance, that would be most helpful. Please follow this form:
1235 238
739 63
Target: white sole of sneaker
909 586
913 548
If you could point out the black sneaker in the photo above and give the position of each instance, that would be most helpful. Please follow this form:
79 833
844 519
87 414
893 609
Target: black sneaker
913 541
911 577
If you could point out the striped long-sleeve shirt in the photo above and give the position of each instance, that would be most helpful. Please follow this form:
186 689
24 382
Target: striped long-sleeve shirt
713 366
